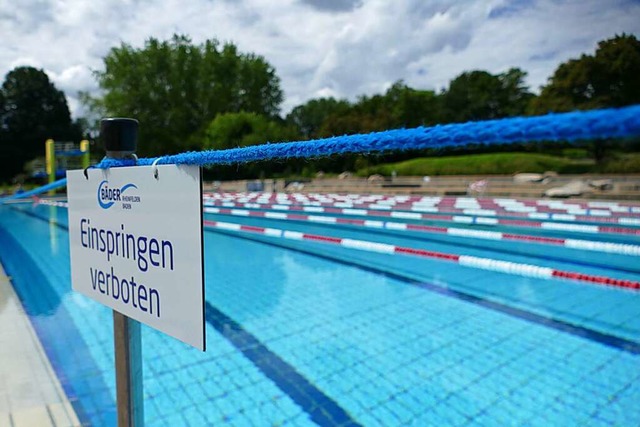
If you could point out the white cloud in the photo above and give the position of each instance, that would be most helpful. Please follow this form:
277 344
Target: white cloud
341 48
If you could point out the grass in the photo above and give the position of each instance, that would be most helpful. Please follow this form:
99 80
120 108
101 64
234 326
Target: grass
621 163
484 164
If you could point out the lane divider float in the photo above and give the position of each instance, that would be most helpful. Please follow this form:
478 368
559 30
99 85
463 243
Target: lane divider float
574 243
475 211
462 219
608 247
596 208
573 214
519 269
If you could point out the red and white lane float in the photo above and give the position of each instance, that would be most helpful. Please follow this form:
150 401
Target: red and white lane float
49 202
461 207
617 248
593 208
608 247
462 219
519 269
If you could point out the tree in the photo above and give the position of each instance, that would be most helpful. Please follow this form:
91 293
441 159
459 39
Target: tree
400 106
609 78
479 95
309 117
412 107
31 111
232 130
175 88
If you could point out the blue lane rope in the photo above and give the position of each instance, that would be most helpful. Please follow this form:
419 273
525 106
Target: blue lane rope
579 125
570 127
52 186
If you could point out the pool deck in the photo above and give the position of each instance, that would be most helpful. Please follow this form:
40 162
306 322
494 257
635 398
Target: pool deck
30 393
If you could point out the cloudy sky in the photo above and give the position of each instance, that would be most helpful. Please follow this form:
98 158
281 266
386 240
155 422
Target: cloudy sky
341 48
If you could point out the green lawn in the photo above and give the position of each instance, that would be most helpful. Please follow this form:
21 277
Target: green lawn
497 163
621 163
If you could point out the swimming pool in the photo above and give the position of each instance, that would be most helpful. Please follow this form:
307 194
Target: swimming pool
310 332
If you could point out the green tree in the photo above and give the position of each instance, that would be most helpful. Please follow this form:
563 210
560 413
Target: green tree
479 95
410 107
232 130
175 88
609 78
31 111
400 106
309 117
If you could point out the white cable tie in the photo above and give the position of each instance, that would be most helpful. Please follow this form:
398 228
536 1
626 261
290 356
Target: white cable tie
154 165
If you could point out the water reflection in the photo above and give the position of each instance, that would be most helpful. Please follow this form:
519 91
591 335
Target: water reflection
53 229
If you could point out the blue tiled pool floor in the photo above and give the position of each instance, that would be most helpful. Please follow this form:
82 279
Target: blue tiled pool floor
296 339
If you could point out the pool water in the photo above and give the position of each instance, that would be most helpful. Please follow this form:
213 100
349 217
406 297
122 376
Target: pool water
303 333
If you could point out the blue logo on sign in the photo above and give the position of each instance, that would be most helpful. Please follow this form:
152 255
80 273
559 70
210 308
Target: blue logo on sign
108 196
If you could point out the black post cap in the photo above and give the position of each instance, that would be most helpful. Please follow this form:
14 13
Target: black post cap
119 134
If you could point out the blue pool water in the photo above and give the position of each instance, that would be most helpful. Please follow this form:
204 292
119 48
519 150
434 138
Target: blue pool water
304 333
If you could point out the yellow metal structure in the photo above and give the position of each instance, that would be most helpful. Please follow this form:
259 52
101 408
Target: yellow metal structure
50 153
84 147
52 164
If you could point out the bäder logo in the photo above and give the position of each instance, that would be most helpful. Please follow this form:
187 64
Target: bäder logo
107 196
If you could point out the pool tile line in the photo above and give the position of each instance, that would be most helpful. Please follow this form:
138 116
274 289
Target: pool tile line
550 322
321 408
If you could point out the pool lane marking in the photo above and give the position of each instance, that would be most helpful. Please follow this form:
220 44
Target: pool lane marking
409 210
608 340
447 200
463 219
321 408
616 248
592 208
413 212
478 220
508 267
519 269
608 247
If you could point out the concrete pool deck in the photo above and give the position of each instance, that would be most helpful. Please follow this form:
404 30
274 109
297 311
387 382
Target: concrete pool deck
30 393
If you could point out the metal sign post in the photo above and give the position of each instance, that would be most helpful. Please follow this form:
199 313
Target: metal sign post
128 351
120 139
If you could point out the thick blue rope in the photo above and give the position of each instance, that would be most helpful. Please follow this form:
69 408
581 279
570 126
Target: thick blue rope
52 186
574 126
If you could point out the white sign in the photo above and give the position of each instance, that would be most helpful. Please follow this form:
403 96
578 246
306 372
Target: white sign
136 245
